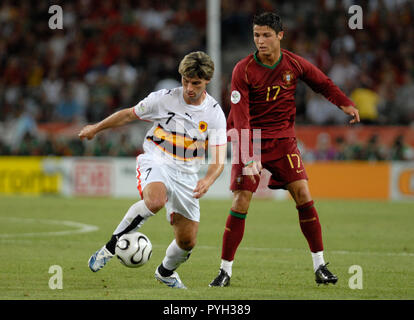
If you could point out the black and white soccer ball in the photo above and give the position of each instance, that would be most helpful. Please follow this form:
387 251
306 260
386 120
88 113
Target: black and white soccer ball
133 249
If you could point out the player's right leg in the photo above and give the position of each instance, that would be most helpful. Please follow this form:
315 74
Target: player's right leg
154 198
233 235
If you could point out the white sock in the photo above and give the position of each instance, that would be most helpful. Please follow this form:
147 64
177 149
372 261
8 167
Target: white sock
317 258
227 266
138 208
174 256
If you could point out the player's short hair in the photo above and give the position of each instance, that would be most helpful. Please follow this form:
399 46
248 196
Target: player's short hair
197 64
270 19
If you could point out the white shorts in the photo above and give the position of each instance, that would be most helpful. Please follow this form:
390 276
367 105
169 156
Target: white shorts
180 186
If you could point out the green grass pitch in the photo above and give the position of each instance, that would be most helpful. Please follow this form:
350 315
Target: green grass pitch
272 262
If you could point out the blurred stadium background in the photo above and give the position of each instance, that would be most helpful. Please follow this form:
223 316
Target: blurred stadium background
110 54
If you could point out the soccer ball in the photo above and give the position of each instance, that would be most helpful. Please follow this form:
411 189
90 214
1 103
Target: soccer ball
133 249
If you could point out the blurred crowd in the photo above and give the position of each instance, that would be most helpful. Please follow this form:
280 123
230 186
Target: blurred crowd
350 148
110 54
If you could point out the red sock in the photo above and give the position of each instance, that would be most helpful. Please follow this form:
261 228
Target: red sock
233 234
310 226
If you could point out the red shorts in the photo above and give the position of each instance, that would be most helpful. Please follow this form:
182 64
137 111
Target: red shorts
281 157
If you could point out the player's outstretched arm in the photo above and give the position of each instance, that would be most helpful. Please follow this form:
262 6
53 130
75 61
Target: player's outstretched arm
351 111
218 156
116 119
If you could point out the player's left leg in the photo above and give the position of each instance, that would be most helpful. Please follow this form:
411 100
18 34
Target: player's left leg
311 229
154 199
178 251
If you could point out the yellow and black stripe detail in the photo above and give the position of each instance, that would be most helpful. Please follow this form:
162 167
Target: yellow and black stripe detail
177 145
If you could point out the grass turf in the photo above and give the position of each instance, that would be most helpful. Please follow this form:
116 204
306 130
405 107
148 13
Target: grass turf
272 263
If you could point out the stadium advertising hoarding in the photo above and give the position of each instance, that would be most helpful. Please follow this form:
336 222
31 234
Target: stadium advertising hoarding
92 177
402 181
86 176
25 175
362 180
349 180
95 176
116 177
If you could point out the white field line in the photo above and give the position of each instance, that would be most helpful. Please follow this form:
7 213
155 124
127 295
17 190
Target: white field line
79 227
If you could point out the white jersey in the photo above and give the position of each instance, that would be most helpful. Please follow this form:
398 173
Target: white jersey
181 132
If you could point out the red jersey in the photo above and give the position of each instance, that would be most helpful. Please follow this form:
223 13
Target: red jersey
263 97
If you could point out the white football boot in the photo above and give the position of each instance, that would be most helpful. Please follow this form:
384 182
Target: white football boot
99 259
173 281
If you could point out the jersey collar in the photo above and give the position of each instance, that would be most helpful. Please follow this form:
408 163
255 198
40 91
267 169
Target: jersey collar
266 66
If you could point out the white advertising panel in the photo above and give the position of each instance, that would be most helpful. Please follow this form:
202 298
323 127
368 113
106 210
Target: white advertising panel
402 181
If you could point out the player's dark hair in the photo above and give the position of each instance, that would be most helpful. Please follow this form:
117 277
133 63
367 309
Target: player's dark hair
270 19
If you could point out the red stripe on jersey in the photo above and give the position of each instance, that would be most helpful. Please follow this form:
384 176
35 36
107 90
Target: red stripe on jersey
218 145
139 187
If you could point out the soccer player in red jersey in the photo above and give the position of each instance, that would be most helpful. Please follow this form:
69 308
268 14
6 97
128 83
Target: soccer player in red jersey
263 97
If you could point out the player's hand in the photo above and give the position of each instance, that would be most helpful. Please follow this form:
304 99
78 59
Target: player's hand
202 187
252 169
352 111
88 132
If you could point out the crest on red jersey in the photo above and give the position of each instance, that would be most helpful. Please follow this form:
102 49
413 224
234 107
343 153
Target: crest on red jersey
288 78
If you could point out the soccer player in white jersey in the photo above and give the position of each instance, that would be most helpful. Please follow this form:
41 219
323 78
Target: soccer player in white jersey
185 121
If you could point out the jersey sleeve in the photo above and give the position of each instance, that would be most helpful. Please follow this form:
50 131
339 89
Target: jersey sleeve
321 83
239 118
217 134
147 109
